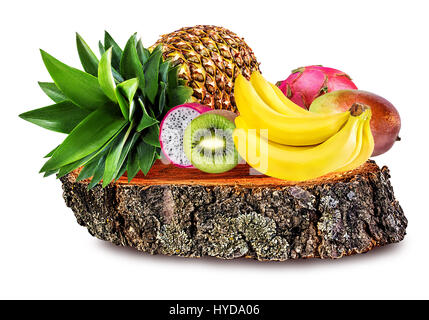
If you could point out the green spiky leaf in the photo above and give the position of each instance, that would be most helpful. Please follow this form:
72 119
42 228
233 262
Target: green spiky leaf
152 136
142 52
88 59
129 145
52 91
121 172
130 62
117 76
125 94
88 171
163 71
146 120
129 88
98 173
61 117
85 160
49 173
133 166
80 87
162 97
146 155
116 50
112 165
101 48
172 77
179 95
48 155
89 136
75 164
151 69
105 76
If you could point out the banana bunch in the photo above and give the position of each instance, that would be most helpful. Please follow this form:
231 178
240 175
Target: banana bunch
280 139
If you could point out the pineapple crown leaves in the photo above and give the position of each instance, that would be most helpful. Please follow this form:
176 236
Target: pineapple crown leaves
110 111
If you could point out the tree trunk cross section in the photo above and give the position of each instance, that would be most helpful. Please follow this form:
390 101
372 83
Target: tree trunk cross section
185 212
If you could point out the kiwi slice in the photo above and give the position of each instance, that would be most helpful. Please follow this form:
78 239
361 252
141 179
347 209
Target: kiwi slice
209 145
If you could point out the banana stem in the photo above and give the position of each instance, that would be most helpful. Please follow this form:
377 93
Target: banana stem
357 109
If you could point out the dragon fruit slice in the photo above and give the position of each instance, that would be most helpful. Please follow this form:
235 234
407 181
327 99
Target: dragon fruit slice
172 129
307 83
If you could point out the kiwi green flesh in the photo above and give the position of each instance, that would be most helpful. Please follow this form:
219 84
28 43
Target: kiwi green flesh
209 145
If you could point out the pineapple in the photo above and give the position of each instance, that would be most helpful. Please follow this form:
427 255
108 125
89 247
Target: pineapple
111 112
209 60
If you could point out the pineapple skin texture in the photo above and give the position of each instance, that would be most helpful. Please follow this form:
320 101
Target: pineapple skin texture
210 59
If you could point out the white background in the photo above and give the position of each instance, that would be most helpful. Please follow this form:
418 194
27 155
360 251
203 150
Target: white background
44 253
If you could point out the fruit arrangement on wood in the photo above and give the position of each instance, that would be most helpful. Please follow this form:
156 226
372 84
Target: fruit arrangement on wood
195 104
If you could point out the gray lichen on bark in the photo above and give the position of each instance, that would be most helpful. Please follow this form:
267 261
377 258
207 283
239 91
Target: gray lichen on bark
327 220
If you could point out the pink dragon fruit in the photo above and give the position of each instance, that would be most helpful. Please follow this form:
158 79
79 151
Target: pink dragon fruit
172 129
307 83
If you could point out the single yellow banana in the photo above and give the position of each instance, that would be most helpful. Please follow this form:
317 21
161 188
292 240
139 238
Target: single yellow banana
278 102
295 163
288 130
366 149
357 149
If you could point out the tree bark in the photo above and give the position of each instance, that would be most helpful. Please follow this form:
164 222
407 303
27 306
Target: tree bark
187 213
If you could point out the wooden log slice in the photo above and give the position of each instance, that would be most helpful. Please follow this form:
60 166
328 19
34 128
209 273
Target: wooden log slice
188 213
